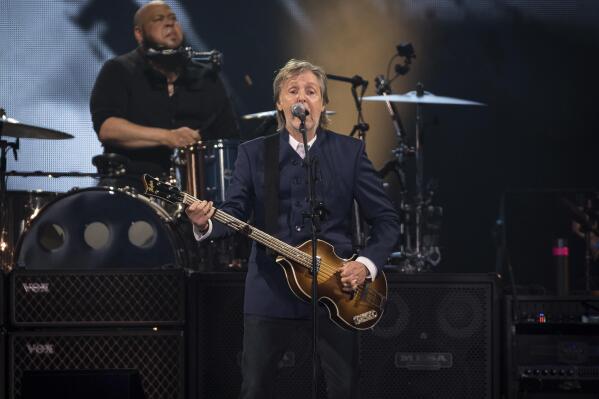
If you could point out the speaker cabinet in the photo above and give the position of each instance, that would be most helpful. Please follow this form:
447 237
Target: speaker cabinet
2 298
88 384
437 339
97 298
158 356
3 362
219 343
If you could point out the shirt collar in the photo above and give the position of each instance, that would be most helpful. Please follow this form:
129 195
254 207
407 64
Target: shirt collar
294 143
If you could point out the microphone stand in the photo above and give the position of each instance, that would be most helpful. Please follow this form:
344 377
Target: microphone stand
314 216
361 127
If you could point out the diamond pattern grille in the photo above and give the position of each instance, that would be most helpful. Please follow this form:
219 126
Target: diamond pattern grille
96 299
157 355
430 319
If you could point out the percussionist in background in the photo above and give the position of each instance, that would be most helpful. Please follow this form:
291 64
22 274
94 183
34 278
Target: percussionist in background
144 104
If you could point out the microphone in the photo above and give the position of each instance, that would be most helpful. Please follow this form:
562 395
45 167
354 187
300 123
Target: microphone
298 110
213 57
155 52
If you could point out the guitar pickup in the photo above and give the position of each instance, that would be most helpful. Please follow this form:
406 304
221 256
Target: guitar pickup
366 288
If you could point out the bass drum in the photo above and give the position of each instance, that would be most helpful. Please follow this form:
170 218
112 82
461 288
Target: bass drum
101 228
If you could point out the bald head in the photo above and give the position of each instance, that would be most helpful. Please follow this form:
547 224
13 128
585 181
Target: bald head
142 13
155 25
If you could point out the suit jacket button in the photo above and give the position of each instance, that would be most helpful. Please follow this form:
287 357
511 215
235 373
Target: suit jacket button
298 228
294 162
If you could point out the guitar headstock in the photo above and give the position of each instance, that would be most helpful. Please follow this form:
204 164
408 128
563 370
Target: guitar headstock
162 190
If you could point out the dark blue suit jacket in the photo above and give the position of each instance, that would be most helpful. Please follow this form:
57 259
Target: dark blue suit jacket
344 173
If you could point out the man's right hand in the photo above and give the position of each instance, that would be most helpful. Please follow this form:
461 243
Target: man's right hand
182 137
199 213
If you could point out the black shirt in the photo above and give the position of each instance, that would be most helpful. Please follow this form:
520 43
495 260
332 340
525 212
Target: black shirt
128 87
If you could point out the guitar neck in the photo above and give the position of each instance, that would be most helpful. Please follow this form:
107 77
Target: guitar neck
288 251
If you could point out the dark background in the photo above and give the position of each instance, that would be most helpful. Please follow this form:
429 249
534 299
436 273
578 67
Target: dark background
533 63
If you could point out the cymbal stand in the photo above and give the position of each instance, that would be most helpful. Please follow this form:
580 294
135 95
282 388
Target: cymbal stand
5 249
397 165
361 127
424 254
403 150
419 153
414 254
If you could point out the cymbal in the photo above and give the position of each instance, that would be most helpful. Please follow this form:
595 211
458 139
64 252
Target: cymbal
13 128
269 114
426 98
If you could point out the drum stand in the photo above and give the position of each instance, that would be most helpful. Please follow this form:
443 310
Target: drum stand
424 254
414 254
5 245
361 127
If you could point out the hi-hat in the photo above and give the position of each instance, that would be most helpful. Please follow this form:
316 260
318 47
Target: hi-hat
13 128
270 114
425 98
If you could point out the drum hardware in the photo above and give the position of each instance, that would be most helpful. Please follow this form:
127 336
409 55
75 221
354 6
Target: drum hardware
112 228
41 173
12 128
113 172
205 169
191 160
421 219
111 165
422 97
361 127
6 251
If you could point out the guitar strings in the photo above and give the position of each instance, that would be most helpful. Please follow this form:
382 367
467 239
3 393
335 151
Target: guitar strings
291 252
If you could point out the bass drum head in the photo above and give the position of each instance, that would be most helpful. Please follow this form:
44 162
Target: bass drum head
100 228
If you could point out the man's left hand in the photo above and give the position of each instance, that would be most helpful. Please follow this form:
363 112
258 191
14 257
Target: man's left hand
352 275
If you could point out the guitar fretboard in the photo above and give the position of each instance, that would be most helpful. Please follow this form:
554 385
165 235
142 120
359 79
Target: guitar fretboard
280 247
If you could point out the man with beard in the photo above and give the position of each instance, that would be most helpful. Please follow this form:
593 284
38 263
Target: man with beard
145 104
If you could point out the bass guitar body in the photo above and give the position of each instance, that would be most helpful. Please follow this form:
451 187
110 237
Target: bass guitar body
359 310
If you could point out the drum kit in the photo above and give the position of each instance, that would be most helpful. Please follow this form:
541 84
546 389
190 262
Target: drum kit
419 249
419 245
107 227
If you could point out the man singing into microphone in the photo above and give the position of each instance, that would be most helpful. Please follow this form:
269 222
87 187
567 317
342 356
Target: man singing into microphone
144 104
273 315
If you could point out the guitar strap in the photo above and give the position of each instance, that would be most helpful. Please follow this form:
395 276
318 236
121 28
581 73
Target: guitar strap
271 183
